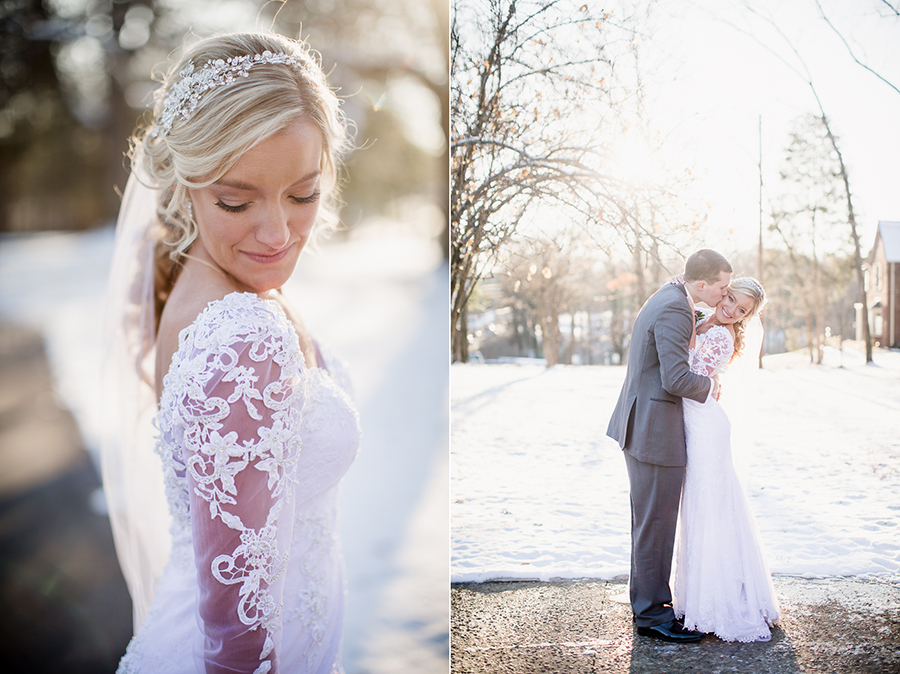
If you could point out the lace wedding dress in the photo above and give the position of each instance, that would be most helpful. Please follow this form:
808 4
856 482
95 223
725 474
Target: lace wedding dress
253 446
721 579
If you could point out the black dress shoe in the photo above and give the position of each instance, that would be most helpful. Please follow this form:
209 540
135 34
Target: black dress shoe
671 631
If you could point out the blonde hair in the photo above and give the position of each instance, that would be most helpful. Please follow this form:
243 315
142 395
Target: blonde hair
749 286
226 122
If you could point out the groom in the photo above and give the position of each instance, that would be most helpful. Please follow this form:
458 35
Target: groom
648 424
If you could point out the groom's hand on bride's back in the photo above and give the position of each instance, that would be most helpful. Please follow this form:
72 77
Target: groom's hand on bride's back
716 389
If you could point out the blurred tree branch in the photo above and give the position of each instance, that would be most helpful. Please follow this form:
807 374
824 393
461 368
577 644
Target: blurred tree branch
76 76
849 50
895 10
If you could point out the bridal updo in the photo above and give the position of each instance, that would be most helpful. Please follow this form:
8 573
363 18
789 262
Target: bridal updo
749 286
223 96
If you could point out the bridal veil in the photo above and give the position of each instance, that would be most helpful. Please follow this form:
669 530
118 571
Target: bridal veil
132 479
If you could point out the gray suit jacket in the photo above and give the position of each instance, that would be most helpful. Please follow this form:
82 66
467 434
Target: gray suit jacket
648 421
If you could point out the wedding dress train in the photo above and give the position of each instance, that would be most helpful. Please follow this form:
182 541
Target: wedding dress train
721 580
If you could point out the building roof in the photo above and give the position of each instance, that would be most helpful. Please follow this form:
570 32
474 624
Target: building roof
890 237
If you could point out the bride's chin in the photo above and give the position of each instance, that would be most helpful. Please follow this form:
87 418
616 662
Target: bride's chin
264 284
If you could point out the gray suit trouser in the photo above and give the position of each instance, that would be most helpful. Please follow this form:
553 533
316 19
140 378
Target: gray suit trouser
655 496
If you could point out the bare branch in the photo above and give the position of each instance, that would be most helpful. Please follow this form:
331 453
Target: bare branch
851 216
850 51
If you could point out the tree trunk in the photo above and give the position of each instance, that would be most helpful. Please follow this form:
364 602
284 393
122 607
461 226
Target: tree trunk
460 334
857 255
550 335
818 322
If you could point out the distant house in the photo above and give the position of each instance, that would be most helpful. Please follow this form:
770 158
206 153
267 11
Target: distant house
883 285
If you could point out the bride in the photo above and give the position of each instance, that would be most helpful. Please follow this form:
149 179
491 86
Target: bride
228 537
721 580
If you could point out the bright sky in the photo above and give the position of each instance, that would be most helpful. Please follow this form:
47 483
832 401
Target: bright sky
709 83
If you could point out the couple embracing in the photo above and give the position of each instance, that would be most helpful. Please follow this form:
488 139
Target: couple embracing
677 445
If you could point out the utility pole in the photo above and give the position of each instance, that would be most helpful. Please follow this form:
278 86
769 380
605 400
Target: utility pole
759 262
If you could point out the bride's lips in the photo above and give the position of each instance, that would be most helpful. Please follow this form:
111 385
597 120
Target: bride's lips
263 258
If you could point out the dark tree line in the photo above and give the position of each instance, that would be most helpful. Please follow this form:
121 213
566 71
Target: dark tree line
75 78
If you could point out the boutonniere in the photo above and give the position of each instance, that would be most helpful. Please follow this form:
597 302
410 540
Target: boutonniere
699 316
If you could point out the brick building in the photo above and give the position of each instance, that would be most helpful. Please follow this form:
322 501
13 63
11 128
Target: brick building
883 285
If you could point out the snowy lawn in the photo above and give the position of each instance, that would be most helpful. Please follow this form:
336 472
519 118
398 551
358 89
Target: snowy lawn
538 490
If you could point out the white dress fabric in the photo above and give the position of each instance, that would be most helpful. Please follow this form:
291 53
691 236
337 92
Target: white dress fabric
253 446
721 580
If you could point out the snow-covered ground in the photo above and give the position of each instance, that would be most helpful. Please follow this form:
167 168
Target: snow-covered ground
379 300
539 491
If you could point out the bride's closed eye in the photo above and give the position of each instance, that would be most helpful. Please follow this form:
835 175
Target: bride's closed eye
311 199
240 208
232 209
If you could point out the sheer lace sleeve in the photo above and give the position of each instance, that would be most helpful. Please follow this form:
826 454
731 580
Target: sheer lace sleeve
712 351
239 409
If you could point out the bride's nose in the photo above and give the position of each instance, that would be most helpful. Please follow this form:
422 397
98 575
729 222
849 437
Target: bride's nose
274 230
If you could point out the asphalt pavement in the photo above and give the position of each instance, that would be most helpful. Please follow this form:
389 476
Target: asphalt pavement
846 625
64 606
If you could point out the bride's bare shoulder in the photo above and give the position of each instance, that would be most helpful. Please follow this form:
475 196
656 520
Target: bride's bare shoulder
192 293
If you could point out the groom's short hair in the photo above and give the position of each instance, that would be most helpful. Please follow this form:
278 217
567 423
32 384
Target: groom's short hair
705 265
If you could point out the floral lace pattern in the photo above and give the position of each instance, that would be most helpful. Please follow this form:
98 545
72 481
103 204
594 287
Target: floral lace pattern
711 351
239 415
213 461
311 600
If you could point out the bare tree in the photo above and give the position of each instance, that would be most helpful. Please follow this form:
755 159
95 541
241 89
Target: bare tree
541 92
808 219
804 74
540 277
521 73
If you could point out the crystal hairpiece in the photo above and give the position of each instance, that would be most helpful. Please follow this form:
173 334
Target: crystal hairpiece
752 282
184 96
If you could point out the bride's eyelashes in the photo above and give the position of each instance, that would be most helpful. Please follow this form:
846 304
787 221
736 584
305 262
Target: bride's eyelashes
240 208
311 199
232 209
